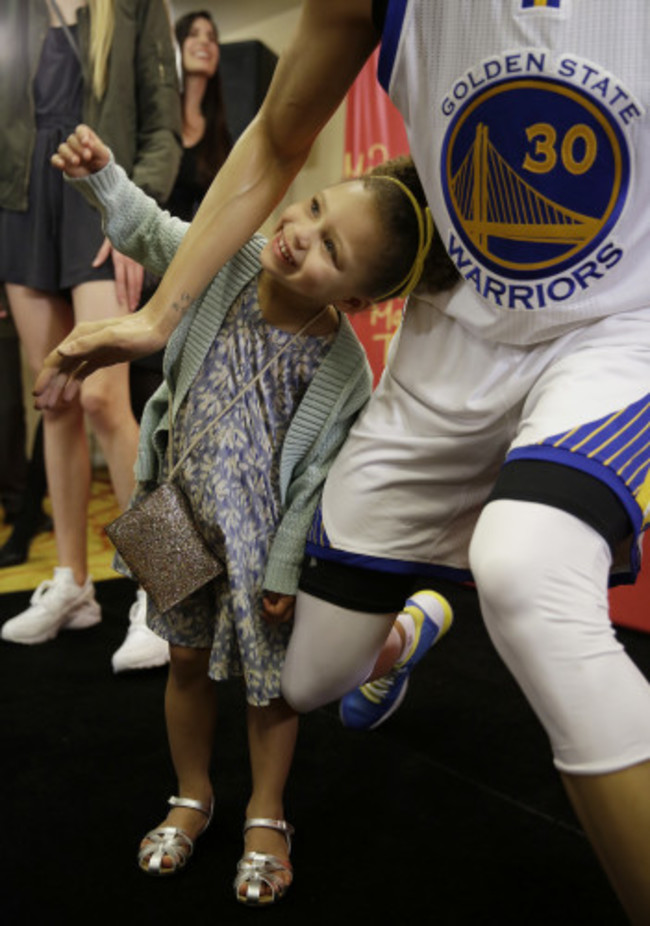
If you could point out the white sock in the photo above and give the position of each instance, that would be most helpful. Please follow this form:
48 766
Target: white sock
406 622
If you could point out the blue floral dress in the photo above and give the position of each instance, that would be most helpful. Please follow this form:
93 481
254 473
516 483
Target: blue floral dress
232 482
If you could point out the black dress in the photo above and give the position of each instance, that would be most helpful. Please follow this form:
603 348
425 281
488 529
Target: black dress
51 246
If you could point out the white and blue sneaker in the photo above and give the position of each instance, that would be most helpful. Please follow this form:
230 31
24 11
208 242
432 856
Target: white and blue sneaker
367 707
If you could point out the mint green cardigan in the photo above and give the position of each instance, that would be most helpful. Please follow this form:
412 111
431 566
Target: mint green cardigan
340 387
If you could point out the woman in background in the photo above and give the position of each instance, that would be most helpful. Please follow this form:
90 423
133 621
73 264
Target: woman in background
206 139
111 65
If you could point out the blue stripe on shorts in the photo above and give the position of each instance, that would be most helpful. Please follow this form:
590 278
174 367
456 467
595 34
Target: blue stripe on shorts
318 545
614 449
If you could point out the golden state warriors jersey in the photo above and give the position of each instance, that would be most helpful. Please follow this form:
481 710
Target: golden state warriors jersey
528 122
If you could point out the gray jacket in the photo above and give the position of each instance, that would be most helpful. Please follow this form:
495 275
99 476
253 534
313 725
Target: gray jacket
339 389
139 115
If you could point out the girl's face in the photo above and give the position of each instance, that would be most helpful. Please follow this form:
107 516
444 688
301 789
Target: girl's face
201 49
324 246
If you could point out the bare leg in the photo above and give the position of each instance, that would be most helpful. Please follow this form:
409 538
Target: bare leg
191 713
390 652
67 464
614 810
42 320
272 733
105 395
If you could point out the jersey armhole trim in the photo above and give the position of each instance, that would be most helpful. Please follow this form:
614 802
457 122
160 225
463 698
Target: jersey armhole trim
390 41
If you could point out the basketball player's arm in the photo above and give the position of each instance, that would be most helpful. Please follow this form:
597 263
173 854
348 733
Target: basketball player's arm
330 46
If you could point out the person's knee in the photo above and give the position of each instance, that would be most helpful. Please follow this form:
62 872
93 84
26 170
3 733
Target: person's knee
98 404
542 578
314 683
505 570
299 694
187 664
537 570
539 561
332 650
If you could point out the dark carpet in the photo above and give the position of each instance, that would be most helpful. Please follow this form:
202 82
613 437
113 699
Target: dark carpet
449 814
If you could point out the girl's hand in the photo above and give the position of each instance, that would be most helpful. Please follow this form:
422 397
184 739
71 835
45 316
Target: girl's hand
83 153
277 608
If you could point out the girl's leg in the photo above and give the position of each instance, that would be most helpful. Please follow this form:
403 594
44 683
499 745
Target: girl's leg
333 650
542 579
190 712
272 733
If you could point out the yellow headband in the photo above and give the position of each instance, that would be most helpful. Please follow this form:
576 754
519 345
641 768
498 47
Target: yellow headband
425 237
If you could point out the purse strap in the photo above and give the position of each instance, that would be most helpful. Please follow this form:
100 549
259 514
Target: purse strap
68 33
173 469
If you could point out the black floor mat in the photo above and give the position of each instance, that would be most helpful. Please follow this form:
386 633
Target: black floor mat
449 814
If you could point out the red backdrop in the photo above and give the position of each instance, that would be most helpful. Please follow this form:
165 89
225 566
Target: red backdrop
630 604
374 132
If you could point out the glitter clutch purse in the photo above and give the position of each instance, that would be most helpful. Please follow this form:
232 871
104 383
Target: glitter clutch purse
158 539
162 546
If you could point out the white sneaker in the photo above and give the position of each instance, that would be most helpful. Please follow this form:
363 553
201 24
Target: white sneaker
57 604
142 648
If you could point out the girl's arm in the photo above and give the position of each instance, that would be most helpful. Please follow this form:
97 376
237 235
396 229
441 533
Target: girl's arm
331 44
133 221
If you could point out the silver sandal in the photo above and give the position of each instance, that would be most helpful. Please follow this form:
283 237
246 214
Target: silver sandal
171 841
257 869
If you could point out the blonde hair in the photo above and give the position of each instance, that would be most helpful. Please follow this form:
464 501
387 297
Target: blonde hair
102 28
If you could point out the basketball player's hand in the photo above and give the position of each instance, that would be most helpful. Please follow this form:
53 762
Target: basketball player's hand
89 346
276 608
82 153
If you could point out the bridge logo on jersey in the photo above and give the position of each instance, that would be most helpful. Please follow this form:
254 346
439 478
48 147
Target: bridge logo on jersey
535 172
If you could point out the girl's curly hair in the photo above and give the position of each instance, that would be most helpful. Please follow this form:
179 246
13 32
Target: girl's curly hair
402 231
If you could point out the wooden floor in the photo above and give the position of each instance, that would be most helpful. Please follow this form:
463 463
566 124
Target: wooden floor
42 554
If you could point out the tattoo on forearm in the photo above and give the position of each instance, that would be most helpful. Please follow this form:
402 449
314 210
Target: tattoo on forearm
182 304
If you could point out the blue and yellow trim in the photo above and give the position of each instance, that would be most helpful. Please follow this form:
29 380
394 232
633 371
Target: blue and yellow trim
390 41
546 4
318 545
615 449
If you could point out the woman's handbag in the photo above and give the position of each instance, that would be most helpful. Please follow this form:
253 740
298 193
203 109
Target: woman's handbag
158 538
